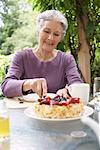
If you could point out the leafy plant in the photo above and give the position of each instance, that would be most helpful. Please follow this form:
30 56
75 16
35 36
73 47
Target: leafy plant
4 61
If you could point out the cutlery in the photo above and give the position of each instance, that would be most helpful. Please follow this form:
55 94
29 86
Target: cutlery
22 100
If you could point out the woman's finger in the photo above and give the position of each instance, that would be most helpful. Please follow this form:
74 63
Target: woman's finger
63 92
44 87
39 89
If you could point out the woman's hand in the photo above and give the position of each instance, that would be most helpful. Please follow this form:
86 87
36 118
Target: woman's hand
63 92
37 85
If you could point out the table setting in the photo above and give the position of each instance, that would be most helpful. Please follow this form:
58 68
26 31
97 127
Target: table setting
29 132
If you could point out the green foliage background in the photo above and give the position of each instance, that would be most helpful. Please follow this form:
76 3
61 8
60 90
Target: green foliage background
4 61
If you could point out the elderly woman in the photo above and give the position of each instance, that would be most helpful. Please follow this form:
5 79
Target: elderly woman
43 68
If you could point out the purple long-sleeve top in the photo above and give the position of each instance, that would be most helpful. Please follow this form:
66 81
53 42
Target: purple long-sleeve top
58 72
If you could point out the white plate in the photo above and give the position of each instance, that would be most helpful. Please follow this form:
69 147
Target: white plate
35 97
30 97
94 101
30 113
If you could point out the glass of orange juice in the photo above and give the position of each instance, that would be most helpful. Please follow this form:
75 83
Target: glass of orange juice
4 120
4 126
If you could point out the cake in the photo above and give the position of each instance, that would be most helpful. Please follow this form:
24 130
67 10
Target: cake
58 107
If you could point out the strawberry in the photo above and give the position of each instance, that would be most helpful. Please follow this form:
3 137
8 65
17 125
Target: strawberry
75 100
63 103
48 99
40 100
54 102
45 102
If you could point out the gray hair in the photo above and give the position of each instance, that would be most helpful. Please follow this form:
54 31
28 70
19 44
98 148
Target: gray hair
52 15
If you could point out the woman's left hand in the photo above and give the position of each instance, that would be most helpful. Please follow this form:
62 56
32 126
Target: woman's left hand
63 92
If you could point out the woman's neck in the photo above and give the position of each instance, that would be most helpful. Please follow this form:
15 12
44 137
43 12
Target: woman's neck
44 55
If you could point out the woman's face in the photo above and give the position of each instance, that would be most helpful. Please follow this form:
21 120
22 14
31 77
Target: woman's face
50 35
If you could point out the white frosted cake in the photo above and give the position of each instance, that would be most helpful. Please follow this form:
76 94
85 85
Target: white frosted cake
58 107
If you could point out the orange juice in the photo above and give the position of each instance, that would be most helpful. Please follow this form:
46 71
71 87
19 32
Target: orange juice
4 126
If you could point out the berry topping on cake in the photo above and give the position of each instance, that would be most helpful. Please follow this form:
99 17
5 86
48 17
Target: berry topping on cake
58 100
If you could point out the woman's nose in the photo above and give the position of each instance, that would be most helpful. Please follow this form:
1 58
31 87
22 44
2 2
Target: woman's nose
51 36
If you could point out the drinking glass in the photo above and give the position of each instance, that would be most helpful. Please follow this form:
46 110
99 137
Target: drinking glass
4 127
96 95
96 87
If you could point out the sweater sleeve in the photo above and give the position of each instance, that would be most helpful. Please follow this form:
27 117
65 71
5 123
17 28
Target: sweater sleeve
12 85
71 70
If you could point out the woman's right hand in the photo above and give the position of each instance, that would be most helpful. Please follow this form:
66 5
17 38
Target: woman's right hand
37 85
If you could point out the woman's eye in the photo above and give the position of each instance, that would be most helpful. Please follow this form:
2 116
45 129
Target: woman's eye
46 31
56 34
